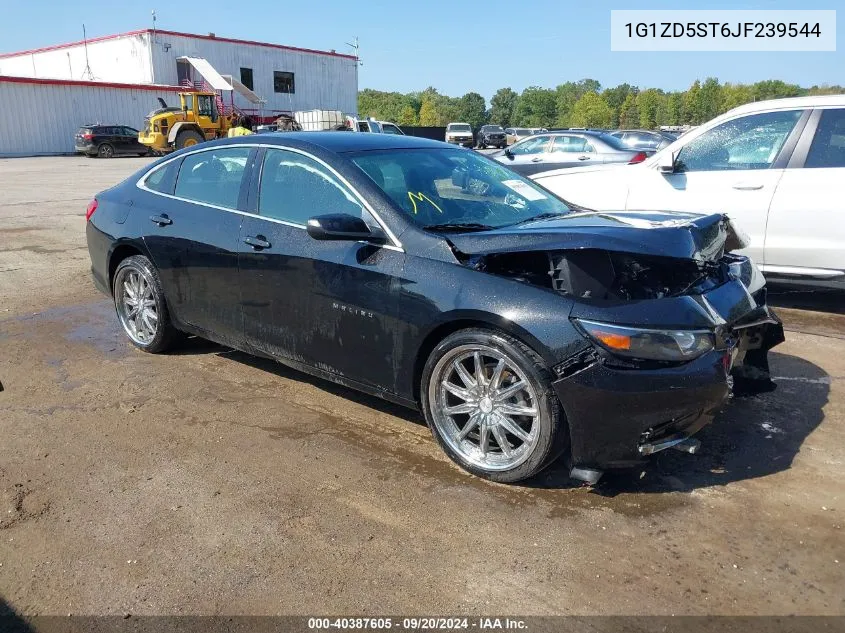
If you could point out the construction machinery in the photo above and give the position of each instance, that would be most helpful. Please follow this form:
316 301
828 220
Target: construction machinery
198 118
202 113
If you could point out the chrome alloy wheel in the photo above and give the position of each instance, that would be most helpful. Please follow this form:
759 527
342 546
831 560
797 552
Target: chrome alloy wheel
136 307
484 407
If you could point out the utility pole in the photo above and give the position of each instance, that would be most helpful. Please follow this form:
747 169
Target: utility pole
356 48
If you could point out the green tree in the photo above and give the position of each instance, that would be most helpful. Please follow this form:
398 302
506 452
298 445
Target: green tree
734 95
616 98
674 108
408 116
591 111
429 117
775 89
710 99
629 115
472 109
503 106
536 107
692 104
648 105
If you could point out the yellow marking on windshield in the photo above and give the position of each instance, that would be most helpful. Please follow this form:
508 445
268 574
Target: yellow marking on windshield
419 197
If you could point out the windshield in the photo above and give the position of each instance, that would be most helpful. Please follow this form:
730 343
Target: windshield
492 128
452 189
459 128
522 132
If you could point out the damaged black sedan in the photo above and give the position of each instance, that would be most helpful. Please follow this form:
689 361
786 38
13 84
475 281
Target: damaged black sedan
436 278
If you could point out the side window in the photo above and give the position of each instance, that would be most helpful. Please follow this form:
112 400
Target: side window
295 188
388 128
213 176
534 145
569 144
283 82
363 127
163 178
749 142
246 77
828 147
128 131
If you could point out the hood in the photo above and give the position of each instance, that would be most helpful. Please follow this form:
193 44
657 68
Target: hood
665 234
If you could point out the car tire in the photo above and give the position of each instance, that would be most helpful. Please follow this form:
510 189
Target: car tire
105 150
137 285
188 138
528 420
481 145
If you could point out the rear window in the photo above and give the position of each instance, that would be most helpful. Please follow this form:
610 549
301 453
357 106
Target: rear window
615 143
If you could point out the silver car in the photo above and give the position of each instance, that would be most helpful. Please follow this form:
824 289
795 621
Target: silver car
544 152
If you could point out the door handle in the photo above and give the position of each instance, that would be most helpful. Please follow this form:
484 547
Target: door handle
257 242
536 160
747 186
161 220
583 158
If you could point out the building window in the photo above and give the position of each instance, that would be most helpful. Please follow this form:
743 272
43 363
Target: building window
246 77
283 82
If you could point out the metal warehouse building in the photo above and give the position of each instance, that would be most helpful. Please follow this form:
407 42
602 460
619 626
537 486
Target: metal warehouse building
48 93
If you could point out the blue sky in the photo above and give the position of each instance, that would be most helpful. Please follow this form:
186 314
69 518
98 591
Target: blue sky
456 46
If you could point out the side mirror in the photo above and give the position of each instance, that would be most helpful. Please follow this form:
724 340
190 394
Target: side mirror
509 153
666 162
342 226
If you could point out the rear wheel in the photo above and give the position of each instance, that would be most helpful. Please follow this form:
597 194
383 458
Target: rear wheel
140 305
188 138
490 405
105 150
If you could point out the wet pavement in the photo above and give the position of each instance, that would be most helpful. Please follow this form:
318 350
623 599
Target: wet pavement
209 481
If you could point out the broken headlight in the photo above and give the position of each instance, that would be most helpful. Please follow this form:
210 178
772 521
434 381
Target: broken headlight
671 345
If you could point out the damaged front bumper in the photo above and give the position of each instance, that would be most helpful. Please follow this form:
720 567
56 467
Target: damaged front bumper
619 412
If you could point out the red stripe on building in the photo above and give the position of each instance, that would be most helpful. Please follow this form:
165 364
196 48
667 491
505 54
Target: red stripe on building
90 84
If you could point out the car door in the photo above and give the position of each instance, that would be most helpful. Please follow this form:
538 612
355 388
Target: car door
133 146
527 157
192 236
732 168
805 234
327 304
570 151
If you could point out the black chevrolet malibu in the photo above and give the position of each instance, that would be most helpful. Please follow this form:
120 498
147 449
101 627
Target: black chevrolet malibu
431 276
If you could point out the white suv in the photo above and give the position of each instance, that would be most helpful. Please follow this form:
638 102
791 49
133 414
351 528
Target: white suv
777 168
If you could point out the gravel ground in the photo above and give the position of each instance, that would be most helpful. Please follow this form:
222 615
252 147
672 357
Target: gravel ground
209 482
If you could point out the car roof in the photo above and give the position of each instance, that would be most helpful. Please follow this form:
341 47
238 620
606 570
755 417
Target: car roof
790 102
339 141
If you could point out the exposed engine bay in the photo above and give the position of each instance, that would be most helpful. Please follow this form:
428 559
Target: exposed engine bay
685 260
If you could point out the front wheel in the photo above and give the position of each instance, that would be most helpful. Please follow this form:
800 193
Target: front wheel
140 305
188 138
490 405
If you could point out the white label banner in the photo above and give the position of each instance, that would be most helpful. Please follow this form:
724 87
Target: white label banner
722 30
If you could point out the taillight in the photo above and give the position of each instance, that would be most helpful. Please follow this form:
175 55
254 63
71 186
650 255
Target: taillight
638 158
87 137
92 206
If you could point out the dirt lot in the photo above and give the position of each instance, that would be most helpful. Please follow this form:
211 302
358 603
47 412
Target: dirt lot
206 481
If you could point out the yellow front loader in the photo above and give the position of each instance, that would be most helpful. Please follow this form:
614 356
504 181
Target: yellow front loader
196 119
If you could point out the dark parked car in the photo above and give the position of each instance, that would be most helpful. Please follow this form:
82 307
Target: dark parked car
645 139
436 278
491 136
107 141
556 150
